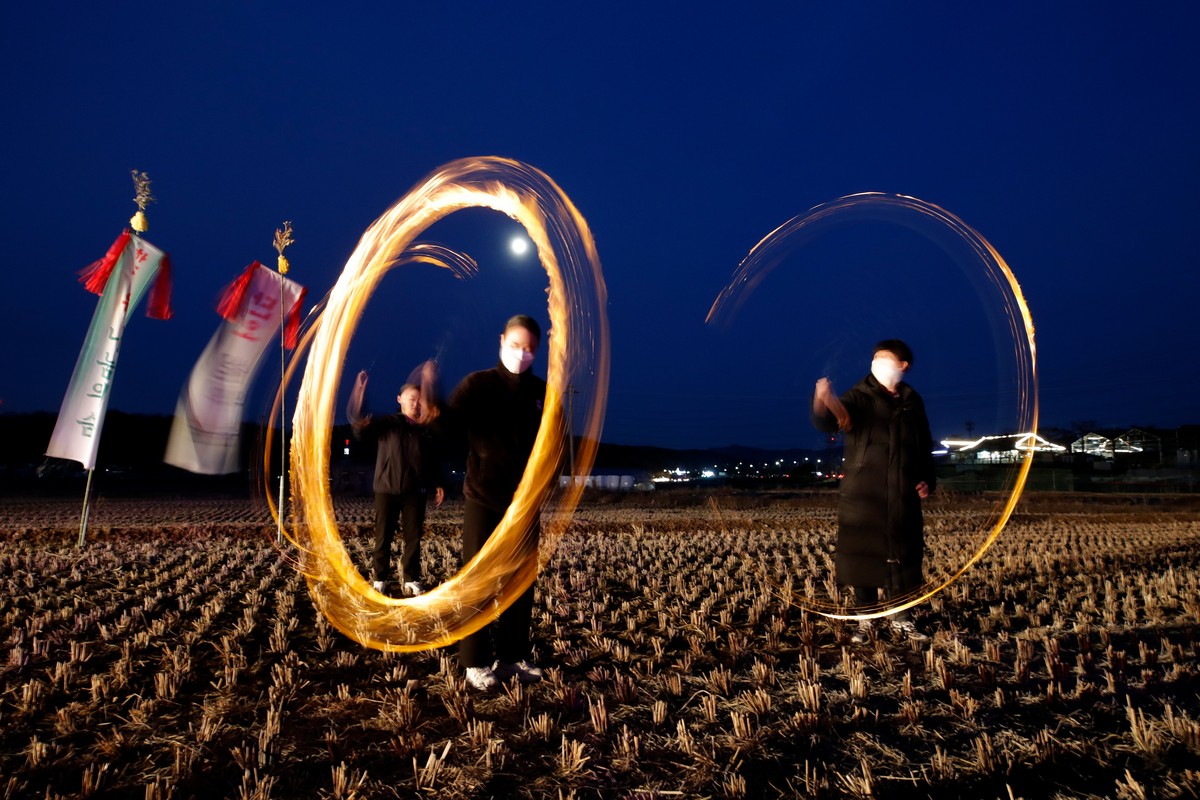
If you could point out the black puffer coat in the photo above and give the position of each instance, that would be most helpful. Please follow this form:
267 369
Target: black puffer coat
409 457
500 414
889 450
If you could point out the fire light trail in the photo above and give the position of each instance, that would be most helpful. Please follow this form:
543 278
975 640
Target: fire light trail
765 256
461 265
578 356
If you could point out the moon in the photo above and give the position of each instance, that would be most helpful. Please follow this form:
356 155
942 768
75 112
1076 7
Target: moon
519 245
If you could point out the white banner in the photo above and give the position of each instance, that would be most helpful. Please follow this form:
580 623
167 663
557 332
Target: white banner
205 436
77 432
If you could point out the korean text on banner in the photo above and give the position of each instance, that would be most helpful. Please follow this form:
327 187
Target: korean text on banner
205 436
81 418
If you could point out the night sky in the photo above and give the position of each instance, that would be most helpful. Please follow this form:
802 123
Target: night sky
1065 133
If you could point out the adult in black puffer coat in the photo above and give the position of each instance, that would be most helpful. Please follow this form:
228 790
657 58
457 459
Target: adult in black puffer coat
499 411
888 472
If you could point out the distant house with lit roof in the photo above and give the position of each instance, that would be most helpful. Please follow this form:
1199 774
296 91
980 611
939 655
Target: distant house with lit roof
1095 444
1006 448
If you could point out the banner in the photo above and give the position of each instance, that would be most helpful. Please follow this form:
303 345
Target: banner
131 267
205 436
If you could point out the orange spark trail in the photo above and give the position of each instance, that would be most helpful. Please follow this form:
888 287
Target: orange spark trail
578 356
765 256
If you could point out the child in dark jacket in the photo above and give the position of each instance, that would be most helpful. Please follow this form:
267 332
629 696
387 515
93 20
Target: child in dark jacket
407 470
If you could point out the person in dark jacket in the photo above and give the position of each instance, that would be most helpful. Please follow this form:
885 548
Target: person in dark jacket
888 472
407 469
499 410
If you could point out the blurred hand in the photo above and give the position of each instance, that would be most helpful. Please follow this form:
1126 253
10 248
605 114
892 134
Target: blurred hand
428 382
354 406
439 495
825 396
922 490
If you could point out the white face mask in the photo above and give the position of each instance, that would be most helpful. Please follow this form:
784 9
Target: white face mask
515 360
887 372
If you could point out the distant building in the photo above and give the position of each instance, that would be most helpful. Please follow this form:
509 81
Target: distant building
609 481
1143 447
1006 448
1094 444
1187 446
1144 441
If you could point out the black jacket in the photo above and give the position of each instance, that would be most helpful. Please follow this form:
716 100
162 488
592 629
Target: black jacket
889 450
408 458
499 413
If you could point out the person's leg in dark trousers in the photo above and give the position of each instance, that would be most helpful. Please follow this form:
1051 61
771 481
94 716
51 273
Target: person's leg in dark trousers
512 630
899 588
412 523
387 509
865 596
478 523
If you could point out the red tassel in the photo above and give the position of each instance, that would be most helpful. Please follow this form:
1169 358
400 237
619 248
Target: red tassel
94 277
159 306
230 304
292 331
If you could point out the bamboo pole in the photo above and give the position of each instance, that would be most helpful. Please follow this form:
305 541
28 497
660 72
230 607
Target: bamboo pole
283 238
83 517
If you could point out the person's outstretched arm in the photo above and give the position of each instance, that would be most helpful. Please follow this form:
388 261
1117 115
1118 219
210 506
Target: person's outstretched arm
827 408
431 400
354 406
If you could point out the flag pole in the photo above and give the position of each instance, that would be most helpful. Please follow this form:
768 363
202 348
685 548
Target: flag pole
283 238
143 198
83 517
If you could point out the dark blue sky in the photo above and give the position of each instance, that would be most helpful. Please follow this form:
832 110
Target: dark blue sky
1065 133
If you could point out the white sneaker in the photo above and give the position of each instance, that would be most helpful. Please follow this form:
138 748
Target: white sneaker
482 678
414 588
863 634
908 630
379 586
526 672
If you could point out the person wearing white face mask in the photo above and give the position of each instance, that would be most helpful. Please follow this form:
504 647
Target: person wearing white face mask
500 412
888 472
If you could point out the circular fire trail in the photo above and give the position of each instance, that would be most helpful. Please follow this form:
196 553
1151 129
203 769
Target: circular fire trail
578 358
999 281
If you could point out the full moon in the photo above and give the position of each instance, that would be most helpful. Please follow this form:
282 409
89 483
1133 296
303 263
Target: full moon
519 245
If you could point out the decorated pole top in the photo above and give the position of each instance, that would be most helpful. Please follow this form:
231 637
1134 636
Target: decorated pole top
283 238
143 198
